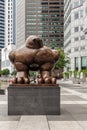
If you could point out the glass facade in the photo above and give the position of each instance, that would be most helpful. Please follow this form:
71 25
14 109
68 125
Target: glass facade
20 24
2 24
11 22
84 62
45 18
74 37
76 63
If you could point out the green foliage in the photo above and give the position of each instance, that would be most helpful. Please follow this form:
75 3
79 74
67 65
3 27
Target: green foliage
84 71
63 60
5 72
14 73
75 72
33 73
1 72
66 74
70 73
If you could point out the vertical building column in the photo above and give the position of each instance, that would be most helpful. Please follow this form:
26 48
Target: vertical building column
79 63
72 64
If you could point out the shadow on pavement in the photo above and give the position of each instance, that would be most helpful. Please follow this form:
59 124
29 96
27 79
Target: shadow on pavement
70 112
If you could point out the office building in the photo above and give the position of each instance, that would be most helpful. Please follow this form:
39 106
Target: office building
10 29
75 43
85 20
2 26
40 17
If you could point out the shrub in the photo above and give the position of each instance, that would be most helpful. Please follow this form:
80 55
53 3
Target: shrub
66 74
5 72
14 73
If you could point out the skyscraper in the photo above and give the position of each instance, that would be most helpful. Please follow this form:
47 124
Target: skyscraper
2 26
10 22
75 44
40 17
2 23
10 29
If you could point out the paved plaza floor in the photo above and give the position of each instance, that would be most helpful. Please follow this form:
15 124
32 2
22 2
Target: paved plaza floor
73 113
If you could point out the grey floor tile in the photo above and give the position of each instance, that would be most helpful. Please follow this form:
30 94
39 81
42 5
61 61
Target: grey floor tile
3 110
74 109
80 117
33 123
71 98
64 125
8 125
64 116
83 124
10 118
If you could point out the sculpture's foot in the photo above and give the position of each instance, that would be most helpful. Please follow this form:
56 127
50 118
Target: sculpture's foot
47 77
53 80
47 80
39 80
21 77
50 80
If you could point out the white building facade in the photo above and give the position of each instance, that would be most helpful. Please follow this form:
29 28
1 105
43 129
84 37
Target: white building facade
6 64
10 21
85 20
10 36
75 43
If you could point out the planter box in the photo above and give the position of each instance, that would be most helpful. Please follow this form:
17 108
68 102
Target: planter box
33 100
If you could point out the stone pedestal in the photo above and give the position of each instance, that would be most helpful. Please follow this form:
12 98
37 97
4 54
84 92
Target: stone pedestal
33 99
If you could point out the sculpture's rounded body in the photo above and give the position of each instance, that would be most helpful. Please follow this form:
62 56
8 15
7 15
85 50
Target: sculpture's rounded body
34 56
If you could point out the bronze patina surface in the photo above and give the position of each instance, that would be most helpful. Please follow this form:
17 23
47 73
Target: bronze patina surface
36 57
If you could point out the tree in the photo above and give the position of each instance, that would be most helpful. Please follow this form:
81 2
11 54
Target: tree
5 72
0 72
63 60
61 63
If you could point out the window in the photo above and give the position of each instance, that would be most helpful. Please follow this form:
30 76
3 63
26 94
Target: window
86 10
8 16
81 1
76 29
76 49
69 51
83 62
76 63
82 37
76 4
81 13
82 48
76 39
76 15
81 28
